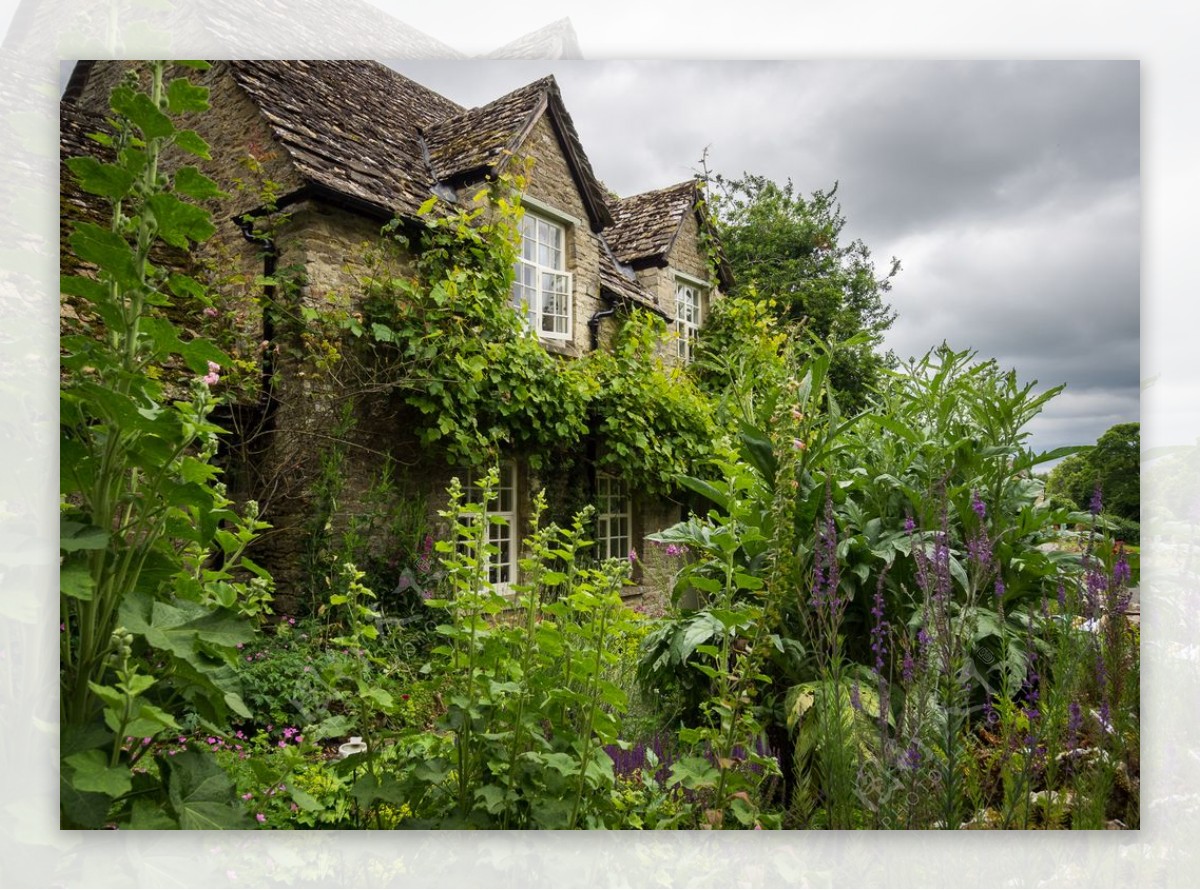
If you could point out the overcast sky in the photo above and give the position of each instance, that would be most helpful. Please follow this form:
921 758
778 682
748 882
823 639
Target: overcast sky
1010 192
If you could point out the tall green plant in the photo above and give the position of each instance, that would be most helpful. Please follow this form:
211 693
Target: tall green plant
146 631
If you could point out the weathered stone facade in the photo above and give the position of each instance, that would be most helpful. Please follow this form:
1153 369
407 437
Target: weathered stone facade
306 429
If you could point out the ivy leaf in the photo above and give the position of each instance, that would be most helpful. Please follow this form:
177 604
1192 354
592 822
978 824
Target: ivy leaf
195 64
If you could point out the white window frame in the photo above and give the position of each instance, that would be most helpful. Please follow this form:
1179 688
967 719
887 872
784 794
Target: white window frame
614 507
540 276
501 568
687 323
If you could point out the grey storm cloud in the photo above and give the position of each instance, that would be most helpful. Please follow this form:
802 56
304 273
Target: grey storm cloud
1009 191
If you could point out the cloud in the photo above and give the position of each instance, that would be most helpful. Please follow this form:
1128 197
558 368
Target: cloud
1010 191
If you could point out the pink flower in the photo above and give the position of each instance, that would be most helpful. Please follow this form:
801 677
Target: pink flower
210 312
247 795
260 817
283 743
211 740
211 379
632 555
213 367
798 445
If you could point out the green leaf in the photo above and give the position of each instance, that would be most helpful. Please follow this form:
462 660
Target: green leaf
75 580
108 251
148 815
183 96
191 182
190 141
196 64
304 800
80 809
179 222
199 351
90 772
75 536
107 180
141 112
201 795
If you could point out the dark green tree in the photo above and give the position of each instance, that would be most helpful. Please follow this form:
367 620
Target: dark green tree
788 251
1114 464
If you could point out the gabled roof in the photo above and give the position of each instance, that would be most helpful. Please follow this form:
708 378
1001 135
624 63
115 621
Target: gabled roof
351 127
555 41
479 141
645 226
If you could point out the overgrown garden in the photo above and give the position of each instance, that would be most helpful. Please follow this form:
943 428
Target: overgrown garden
878 620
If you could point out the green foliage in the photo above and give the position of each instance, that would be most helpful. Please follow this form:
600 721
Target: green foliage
1113 465
148 623
450 339
654 422
529 707
787 249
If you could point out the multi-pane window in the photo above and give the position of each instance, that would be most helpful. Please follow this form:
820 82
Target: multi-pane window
687 318
542 286
502 566
612 517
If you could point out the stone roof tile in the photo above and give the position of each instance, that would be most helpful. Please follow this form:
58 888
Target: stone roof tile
645 225
480 138
353 127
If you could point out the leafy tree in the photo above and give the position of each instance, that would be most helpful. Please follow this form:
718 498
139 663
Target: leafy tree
1114 464
788 249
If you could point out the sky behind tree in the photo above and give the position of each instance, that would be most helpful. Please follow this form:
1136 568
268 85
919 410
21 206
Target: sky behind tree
1009 191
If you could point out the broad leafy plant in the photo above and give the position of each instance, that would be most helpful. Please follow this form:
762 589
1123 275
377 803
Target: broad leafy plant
148 630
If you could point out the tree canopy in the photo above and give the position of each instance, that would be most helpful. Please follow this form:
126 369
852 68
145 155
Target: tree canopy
787 250
1114 465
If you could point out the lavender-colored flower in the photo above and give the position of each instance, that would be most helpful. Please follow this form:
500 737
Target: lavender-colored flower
1121 571
912 756
907 668
1000 589
632 556
979 549
1074 724
879 629
826 570
1097 504
909 525
978 506
855 697
1062 597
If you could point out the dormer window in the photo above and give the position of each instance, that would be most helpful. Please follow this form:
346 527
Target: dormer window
687 317
542 284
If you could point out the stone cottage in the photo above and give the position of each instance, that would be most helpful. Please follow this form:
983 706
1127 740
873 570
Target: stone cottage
342 148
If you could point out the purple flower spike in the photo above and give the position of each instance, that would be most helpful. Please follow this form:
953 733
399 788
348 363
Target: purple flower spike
978 506
1097 505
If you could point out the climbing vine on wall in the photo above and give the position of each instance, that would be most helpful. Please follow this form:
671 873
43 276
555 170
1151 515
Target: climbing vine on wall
444 333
